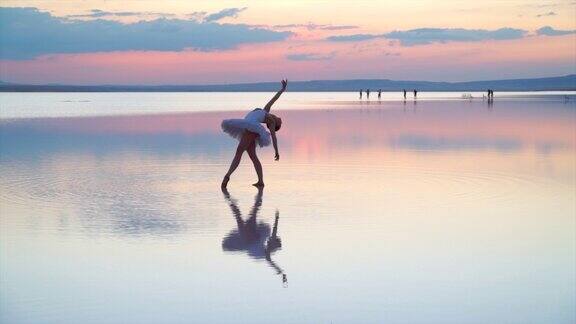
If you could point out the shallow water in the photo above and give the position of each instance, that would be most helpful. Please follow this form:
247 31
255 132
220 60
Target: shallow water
429 212
77 104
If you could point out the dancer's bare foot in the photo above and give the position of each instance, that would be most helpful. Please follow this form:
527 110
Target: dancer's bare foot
225 182
258 184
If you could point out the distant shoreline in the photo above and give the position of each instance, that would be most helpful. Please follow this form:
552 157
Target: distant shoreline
560 83
373 93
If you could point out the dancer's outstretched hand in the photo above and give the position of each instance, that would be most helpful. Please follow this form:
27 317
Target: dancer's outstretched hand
277 157
284 84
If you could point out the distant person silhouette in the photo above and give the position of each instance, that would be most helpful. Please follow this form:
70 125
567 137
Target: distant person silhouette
490 96
250 131
253 237
404 93
379 93
415 93
360 93
367 93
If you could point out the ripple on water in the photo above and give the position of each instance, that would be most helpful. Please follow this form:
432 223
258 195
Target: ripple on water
107 198
153 181
469 185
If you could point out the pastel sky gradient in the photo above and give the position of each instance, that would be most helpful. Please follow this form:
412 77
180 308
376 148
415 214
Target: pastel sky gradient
205 42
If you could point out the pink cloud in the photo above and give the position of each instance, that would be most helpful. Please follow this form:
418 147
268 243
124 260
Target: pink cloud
531 56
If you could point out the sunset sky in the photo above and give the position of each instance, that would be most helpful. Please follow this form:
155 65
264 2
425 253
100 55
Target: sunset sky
206 42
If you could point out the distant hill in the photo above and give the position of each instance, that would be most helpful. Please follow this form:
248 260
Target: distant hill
567 82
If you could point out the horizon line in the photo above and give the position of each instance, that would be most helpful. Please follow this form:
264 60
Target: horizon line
9 83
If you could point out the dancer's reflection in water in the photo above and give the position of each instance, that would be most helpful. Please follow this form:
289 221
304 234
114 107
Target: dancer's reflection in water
253 237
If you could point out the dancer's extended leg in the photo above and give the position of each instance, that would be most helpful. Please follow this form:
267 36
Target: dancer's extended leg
242 146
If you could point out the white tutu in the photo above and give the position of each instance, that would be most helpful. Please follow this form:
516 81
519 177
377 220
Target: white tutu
252 122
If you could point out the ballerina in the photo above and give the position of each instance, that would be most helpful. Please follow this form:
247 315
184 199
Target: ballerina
250 131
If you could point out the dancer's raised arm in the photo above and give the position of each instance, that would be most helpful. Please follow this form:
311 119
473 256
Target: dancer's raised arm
276 96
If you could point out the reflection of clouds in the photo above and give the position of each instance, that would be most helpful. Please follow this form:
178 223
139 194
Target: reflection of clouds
141 217
26 142
120 176
443 125
125 195
422 142
549 147
431 143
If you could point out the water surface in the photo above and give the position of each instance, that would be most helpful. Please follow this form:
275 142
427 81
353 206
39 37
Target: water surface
77 104
436 211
